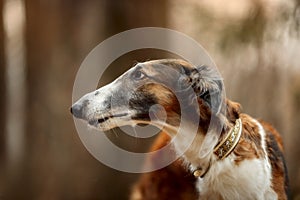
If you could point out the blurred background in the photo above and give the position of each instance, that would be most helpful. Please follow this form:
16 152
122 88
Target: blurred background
255 44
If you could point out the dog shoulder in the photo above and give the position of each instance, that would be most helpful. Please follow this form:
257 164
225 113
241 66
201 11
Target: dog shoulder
250 145
275 150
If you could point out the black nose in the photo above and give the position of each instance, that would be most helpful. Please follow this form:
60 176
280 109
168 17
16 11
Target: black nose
76 110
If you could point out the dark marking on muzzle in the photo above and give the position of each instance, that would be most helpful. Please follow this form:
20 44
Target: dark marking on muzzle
101 120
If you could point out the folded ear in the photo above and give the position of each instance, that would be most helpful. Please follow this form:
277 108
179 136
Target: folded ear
208 85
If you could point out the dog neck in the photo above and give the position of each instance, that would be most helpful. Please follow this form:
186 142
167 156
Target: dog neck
230 127
223 148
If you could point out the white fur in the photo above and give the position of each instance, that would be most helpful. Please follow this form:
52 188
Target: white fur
225 180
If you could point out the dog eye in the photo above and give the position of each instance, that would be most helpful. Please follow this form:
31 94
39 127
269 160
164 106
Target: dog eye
138 75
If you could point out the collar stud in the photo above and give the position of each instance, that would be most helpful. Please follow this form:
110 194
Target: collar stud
198 172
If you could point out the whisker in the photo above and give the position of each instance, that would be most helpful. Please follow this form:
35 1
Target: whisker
115 133
135 135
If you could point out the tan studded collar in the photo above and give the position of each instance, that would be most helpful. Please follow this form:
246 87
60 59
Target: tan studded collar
227 145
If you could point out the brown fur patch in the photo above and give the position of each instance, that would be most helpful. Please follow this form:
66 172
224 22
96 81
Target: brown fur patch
168 100
233 110
171 182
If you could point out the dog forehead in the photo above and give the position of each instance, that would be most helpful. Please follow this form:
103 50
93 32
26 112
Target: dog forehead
165 66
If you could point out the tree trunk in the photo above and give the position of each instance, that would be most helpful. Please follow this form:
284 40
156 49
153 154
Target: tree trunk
2 87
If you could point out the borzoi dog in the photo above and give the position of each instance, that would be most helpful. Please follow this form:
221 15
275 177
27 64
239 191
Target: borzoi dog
243 159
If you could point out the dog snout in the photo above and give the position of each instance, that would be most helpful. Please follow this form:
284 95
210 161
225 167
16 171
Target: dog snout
77 109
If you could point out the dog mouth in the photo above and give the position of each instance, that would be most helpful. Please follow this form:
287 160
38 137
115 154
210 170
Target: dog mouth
96 121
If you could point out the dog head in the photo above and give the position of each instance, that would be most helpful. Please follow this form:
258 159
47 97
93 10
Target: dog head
153 92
